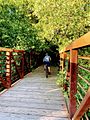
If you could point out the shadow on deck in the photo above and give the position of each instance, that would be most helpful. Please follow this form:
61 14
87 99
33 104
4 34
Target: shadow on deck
34 98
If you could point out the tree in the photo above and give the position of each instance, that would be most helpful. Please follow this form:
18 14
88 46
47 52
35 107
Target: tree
16 25
62 21
30 23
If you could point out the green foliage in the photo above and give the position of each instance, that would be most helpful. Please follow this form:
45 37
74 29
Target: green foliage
60 78
16 26
28 24
62 21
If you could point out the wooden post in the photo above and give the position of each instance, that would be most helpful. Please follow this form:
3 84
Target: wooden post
63 57
22 65
68 70
30 59
8 69
63 61
73 81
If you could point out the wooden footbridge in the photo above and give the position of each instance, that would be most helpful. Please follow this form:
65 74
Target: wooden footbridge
27 95
34 98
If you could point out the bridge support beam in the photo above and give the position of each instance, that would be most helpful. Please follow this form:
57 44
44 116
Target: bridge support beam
73 81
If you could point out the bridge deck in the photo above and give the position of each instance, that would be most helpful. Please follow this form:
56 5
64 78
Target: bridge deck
34 98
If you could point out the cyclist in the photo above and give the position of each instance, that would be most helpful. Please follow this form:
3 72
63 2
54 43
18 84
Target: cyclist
46 60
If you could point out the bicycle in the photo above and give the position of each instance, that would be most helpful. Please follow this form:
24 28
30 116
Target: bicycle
46 70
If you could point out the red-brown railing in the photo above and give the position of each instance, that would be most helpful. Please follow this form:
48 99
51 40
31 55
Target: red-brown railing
14 64
78 77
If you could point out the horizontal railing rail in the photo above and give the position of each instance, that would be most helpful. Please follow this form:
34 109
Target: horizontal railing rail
77 77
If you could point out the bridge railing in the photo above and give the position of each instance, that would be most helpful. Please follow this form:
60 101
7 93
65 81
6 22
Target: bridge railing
14 64
76 60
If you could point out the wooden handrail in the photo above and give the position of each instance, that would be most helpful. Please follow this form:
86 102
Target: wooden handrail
6 49
10 50
79 43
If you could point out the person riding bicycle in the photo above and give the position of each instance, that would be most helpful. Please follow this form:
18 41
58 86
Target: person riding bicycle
46 60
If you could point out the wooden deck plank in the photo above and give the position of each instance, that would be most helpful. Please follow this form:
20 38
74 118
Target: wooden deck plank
34 98
38 101
33 105
6 116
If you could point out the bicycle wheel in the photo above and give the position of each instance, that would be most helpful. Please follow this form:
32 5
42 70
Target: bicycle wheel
46 71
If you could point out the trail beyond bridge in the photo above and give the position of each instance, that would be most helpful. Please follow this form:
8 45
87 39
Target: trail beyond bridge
34 98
